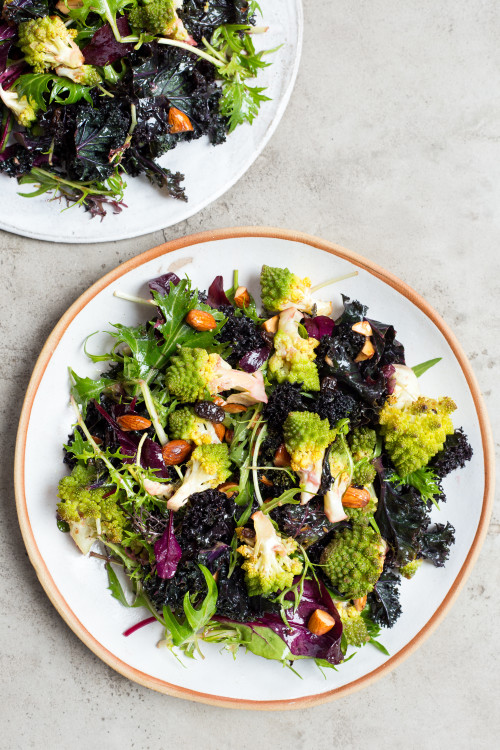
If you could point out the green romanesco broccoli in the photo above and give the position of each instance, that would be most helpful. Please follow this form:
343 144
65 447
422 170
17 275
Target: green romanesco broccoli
24 110
207 468
194 373
47 43
354 559
409 570
293 358
341 467
159 17
90 512
414 433
362 442
307 436
282 289
354 627
186 425
268 564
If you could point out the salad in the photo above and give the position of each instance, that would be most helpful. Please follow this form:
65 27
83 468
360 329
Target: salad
263 479
94 90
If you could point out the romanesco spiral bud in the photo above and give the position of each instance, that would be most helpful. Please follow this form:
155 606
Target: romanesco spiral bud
354 560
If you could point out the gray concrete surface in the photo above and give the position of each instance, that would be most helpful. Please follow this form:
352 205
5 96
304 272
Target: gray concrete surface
390 146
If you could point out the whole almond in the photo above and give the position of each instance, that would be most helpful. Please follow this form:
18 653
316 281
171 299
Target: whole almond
201 320
128 422
234 408
241 297
355 497
266 481
220 430
228 437
360 604
282 457
176 452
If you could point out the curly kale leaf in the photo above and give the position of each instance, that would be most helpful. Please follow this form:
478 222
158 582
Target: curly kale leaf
402 518
18 11
384 599
455 454
202 17
98 133
436 543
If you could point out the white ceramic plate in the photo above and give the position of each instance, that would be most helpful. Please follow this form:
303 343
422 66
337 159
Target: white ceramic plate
77 585
209 171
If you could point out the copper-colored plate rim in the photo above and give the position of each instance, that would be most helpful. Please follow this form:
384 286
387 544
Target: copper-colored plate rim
43 573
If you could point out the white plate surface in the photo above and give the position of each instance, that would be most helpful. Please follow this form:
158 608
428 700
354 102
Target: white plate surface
209 170
82 582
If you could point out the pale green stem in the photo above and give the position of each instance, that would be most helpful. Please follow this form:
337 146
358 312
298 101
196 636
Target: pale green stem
258 443
139 449
132 298
128 489
148 400
334 281
190 48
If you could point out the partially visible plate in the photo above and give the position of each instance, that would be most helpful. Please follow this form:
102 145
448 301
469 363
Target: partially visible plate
77 585
209 170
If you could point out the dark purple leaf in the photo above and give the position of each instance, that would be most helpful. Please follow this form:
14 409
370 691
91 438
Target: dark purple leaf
104 49
319 326
216 293
151 455
251 361
7 32
388 371
162 283
167 552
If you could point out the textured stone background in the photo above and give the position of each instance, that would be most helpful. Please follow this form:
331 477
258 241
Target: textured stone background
390 146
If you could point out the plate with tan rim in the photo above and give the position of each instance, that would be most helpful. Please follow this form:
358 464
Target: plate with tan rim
77 586
209 171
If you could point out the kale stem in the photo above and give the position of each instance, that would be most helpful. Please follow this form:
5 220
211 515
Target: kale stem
190 48
258 442
333 281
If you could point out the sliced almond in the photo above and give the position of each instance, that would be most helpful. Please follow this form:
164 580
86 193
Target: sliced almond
220 430
282 457
271 324
363 327
360 604
228 488
355 497
366 352
176 452
320 622
96 440
241 297
201 320
128 422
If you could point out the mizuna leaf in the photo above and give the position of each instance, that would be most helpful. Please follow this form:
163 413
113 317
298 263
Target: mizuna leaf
48 88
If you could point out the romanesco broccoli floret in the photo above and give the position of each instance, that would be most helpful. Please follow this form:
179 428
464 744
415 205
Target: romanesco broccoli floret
409 570
90 512
86 75
293 358
281 289
194 373
307 436
353 560
207 468
186 425
414 433
362 441
341 467
47 43
24 110
268 564
159 17
354 627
